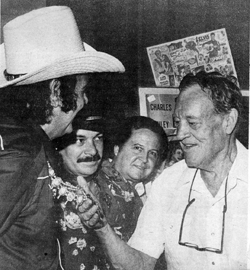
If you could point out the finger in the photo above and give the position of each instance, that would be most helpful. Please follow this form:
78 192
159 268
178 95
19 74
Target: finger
86 215
84 205
93 221
83 183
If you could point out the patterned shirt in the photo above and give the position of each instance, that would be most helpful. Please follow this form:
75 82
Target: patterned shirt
80 246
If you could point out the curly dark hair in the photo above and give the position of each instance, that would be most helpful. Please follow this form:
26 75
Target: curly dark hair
223 92
132 123
33 101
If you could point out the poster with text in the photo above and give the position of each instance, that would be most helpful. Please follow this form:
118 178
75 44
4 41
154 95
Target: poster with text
210 51
159 104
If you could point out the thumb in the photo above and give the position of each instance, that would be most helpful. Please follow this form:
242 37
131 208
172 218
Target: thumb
83 183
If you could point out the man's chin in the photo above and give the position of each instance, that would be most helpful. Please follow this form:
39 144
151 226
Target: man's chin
87 174
137 178
190 163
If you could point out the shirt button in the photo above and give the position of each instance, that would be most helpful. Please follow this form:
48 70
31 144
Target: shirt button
213 263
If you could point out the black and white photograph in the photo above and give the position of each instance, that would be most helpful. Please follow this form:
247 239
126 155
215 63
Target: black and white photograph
124 135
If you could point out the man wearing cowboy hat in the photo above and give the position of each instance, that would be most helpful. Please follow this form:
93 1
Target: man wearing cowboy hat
43 77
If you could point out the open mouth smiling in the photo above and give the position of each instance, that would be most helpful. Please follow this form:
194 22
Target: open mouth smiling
187 146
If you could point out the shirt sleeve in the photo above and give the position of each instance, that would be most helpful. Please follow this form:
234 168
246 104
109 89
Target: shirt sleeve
148 236
16 177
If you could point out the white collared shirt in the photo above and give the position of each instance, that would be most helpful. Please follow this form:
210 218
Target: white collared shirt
159 224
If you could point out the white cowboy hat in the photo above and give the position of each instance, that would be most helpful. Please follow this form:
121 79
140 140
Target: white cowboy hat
44 44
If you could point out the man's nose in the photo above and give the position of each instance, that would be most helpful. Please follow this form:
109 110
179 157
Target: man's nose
90 148
182 131
144 157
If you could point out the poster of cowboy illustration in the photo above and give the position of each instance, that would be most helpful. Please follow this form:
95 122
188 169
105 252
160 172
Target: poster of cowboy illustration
171 61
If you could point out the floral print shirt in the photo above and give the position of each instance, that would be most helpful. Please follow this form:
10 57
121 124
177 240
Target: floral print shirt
80 246
119 200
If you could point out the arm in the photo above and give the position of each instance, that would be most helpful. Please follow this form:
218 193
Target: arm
122 256
17 176
12 186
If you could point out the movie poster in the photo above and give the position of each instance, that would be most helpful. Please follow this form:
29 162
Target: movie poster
171 61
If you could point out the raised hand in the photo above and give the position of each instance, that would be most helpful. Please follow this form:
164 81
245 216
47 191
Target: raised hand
89 209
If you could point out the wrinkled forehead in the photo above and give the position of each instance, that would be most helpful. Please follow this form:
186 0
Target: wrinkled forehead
193 98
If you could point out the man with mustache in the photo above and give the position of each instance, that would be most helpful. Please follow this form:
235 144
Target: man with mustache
136 156
197 210
83 155
81 152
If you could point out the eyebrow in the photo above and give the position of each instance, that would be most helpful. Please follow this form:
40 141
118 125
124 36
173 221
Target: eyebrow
192 117
187 116
98 134
80 136
136 143
144 147
84 136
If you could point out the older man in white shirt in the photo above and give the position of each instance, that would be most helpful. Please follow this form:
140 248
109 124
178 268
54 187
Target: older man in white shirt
196 212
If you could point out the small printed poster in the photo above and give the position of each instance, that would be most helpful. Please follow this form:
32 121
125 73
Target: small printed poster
159 105
171 61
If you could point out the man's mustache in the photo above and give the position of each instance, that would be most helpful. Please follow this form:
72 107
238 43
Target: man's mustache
89 158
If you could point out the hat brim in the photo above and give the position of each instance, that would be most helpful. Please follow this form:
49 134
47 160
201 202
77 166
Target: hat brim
79 63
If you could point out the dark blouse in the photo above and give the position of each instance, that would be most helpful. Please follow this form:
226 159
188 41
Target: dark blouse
119 199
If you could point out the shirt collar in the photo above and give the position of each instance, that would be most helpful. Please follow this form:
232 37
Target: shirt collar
238 171
240 166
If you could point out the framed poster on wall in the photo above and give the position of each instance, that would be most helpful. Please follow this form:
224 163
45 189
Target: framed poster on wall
209 51
158 104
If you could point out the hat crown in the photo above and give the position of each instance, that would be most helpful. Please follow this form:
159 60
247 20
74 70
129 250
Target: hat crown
40 37
45 44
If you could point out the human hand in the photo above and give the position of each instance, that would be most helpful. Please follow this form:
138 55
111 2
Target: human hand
89 210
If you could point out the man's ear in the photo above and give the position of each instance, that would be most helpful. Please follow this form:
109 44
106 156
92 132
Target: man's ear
55 96
116 150
230 120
